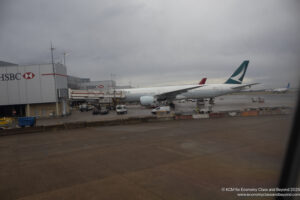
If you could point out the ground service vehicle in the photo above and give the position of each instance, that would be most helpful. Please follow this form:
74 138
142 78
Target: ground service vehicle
26 121
165 109
121 109
6 122
85 107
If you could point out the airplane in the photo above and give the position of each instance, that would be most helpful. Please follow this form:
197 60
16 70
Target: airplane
210 91
149 96
281 90
152 95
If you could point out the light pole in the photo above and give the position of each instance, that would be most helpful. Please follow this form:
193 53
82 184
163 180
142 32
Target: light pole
113 87
52 60
64 99
54 78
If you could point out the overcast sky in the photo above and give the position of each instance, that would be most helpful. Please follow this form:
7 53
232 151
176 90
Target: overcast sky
157 42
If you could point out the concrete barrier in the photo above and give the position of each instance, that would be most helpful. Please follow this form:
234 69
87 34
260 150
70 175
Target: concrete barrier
136 120
216 115
201 116
55 127
177 117
74 125
162 113
275 111
249 113
165 119
104 123
264 112
132 120
233 113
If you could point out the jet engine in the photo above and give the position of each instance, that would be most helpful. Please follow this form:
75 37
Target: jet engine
147 100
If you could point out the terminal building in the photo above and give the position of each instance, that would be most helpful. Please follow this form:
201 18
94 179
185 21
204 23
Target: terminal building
105 85
46 90
33 90
77 83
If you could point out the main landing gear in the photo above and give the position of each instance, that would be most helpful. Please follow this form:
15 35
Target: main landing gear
212 101
172 105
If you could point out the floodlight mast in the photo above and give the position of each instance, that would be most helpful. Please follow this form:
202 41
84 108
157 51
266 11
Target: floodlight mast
54 77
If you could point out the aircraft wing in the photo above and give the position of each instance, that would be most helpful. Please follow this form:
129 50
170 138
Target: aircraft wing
172 94
243 86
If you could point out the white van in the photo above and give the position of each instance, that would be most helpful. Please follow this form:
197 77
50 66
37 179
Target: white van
161 109
121 109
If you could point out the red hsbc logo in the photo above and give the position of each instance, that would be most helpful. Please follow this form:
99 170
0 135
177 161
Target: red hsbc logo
16 76
28 75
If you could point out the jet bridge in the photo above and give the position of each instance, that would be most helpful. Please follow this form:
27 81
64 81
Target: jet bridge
81 95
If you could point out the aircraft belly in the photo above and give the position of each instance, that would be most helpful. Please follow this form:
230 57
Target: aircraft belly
198 94
206 93
136 96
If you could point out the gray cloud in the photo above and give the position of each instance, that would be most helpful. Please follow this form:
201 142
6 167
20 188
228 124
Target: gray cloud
156 42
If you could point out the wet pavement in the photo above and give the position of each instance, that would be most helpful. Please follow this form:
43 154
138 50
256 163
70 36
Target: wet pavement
185 159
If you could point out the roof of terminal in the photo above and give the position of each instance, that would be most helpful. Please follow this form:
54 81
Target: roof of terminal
3 63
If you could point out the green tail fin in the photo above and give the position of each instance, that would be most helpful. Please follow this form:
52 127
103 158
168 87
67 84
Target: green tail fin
238 76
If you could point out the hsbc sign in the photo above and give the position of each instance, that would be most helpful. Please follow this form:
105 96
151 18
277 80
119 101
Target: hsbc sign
10 76
16 76
28 75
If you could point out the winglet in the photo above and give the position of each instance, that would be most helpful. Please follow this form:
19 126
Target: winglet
202 82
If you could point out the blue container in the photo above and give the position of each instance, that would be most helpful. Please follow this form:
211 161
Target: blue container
26 121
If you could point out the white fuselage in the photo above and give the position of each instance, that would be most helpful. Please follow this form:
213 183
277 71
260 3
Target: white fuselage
134 94
207 91
280 90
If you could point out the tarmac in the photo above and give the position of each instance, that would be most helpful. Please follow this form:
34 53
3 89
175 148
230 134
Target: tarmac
183 159
224 103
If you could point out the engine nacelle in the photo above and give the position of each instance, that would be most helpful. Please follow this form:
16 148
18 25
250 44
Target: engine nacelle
147 100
